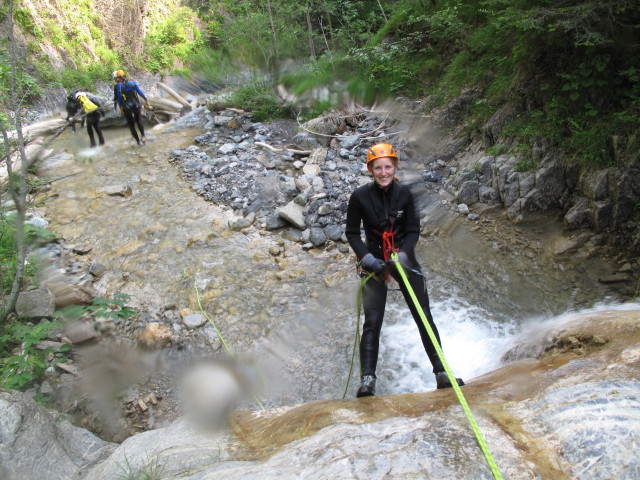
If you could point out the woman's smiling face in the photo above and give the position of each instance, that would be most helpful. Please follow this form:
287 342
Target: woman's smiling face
384 171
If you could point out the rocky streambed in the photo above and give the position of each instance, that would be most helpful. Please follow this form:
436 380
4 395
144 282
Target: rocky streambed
227 234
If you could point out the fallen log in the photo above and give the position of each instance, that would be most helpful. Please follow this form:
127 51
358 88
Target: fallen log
276 149
174 94
165 103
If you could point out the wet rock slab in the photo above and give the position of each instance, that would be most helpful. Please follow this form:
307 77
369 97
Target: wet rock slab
549 413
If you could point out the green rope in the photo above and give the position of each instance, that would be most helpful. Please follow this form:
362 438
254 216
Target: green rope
224 344
356 339
452 378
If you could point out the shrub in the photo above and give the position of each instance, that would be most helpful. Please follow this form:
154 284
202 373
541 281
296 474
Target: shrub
261 100
114 308
9 253
23 364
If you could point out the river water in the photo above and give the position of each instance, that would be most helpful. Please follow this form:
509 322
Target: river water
294 311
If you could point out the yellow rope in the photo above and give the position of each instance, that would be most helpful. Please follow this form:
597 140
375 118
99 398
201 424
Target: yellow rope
452 378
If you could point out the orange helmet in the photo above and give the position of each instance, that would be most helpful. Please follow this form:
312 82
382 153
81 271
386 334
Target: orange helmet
118 73
381 150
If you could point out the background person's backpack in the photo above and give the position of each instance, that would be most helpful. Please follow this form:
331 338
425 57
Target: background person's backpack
87 105
129 95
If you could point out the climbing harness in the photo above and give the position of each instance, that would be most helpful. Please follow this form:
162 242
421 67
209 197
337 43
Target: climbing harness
388 244
128 88
224 344
465 407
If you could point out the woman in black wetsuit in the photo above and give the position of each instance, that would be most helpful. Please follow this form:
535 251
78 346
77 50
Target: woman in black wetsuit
386 211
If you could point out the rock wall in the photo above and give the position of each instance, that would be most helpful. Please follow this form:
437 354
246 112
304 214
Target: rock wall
603 202
124 24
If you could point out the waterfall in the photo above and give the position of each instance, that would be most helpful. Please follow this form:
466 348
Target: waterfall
474 341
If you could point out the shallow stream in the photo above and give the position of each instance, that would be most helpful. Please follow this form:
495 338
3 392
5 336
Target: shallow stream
291 310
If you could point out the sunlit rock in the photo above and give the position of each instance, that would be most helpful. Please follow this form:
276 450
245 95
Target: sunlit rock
564 405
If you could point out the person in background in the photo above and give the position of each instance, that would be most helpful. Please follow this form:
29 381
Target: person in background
126 95
386 210
91 106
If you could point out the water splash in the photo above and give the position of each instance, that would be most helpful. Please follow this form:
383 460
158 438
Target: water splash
474 341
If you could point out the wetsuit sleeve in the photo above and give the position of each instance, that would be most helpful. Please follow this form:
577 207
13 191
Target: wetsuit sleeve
354 221
139 91
119 94
412 224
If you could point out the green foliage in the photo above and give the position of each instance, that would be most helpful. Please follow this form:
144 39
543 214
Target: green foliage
172 38
497 150
410 51
9 252
26 85
251 41
314 110
525 165
576 75
589 141
261 99
113 308
214 65
570 66
22 364
85 77
82 39
212 32
388 68
24 19
270 34
81 36
8 256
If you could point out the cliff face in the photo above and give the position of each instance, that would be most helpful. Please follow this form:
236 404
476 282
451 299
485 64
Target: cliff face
69 33
124 23
598 207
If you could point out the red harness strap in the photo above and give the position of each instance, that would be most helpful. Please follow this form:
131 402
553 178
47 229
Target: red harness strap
387 244
388 247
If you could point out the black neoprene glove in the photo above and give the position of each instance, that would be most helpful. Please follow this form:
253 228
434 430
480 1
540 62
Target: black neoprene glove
372 263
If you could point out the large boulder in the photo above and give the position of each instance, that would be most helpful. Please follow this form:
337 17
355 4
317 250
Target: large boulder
38 303
35 443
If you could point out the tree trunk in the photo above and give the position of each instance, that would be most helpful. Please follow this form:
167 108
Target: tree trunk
312 50
274 33
384 15
18 190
